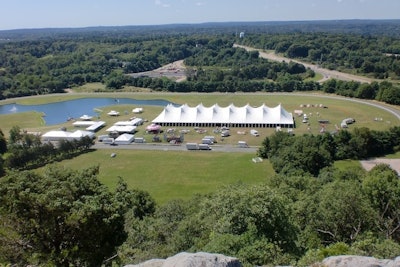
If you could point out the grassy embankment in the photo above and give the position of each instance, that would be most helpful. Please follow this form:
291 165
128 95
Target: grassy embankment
169 175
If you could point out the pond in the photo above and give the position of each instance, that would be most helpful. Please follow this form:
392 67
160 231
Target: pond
60 112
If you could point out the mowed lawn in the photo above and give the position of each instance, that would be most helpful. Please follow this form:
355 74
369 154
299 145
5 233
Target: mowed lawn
168 175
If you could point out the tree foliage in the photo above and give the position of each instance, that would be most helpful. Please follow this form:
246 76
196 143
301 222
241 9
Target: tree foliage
65 217
310 154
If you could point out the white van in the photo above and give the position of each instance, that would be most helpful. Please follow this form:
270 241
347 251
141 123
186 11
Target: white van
192 146
254 132
242 144
207 141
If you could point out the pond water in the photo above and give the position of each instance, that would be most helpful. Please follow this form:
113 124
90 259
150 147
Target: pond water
59 112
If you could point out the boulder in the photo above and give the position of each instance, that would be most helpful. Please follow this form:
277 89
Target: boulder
185 259
356 261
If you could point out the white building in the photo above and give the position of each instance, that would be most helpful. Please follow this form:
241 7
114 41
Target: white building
230 116
67 136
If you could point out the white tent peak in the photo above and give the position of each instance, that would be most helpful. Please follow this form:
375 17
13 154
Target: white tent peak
241 116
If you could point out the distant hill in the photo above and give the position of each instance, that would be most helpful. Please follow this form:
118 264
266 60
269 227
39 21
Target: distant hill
364 27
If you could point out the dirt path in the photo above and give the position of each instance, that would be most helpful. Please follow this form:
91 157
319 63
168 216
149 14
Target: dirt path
175 70
327 74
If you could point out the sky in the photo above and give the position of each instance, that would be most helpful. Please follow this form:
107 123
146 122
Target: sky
23 14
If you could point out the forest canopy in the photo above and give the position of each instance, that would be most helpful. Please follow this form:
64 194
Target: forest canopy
49 61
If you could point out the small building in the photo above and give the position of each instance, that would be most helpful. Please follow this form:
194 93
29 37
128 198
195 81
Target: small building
134 122
124 139
66 136
122 129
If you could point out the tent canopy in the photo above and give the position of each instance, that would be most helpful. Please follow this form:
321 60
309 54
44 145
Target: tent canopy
245 116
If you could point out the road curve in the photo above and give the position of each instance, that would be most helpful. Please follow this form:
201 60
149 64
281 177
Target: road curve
388 108
326 73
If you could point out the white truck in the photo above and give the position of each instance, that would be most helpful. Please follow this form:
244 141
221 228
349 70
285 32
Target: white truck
242 144
192 146
139 140
204 147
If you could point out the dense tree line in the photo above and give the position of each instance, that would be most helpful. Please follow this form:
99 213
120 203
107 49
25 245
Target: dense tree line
41 66
310 154
293 219
64 217
374 56
50 65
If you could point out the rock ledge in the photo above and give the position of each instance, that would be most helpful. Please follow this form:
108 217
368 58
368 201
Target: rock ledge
185 259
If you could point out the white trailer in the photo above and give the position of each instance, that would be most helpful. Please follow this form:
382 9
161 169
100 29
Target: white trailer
192 146
204 147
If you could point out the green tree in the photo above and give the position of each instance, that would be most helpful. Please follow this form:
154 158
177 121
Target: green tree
258 209
305 154
64 217
3 143
15 135
382 188
343 212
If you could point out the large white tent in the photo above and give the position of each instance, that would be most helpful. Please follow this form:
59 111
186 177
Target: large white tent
64 135
230 116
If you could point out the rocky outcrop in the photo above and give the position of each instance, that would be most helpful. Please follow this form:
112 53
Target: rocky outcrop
357 261
203 259
199 259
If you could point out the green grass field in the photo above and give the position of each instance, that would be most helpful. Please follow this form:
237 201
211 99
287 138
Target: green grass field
170 175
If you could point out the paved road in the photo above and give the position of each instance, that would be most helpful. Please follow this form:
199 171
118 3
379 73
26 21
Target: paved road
168 147
327 74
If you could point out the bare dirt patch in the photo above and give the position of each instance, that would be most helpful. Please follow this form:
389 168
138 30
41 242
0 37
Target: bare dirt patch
175 71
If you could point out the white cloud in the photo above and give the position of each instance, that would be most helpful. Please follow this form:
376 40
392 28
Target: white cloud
200 3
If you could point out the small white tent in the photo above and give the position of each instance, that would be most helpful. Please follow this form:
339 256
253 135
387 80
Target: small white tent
124 139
